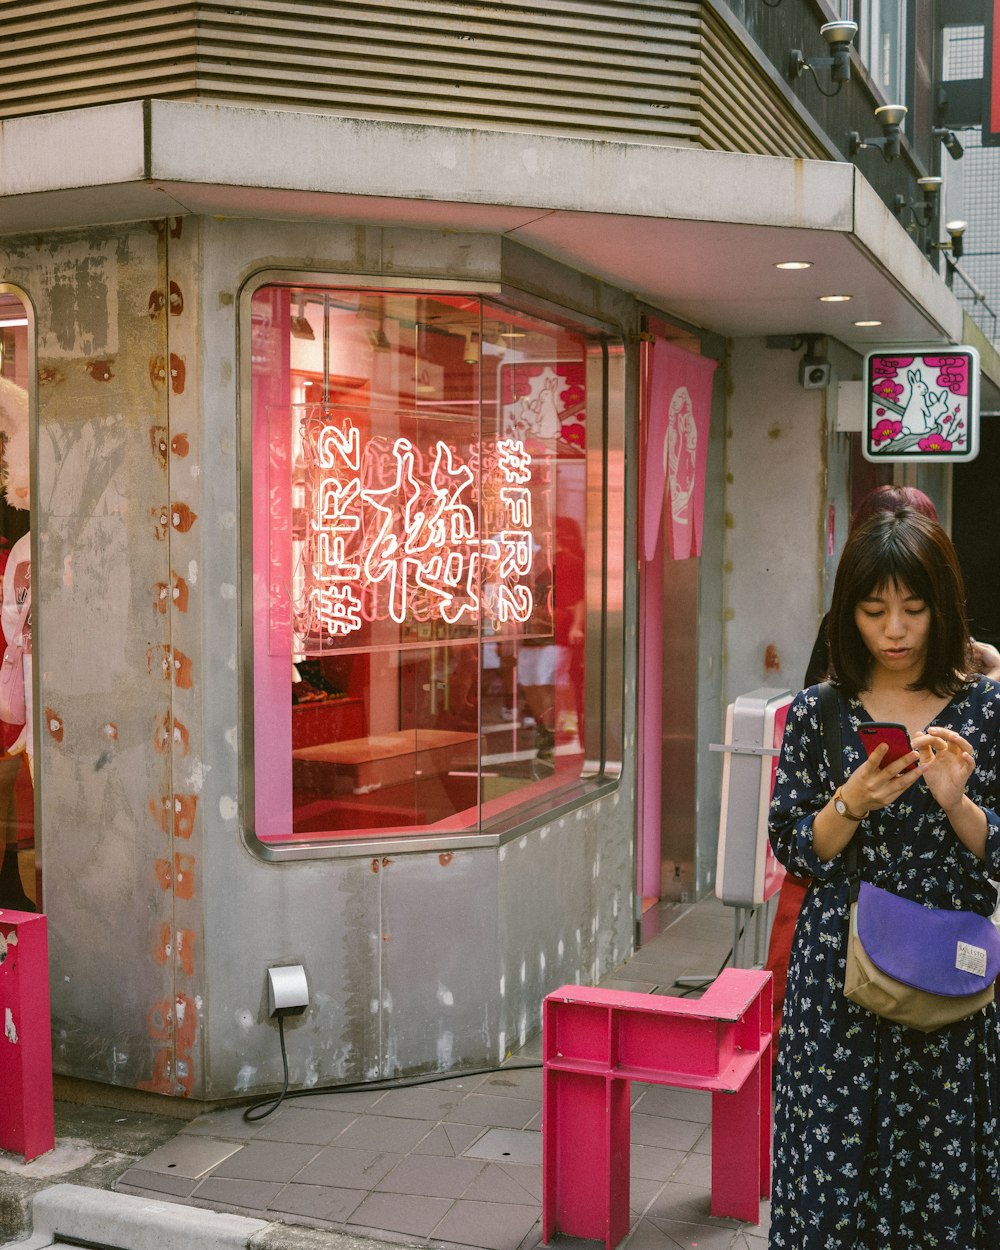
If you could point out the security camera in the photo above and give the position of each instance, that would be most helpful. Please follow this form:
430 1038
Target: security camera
950 140
814 373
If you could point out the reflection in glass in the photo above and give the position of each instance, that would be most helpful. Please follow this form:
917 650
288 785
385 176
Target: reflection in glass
19 878
419 519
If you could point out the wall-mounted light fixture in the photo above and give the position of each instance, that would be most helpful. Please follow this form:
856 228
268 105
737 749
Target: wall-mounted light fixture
890 117
950 140
923 211
840 36
955 245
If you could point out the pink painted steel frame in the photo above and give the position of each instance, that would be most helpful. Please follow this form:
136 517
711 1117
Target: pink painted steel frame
597 1041
27 1119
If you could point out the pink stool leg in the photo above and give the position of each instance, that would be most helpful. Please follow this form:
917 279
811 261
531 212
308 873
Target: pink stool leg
737 1129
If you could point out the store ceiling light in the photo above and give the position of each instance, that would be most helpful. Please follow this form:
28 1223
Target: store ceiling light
9 322
866 324
835 299
794 264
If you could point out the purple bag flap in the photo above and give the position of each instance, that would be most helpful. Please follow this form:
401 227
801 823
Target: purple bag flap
944 952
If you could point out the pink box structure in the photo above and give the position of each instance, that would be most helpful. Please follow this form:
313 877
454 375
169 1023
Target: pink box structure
595 1042
27 1124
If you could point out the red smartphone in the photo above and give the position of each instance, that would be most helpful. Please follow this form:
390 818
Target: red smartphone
873 733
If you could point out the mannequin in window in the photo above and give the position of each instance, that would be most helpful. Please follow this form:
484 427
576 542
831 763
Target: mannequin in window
15 579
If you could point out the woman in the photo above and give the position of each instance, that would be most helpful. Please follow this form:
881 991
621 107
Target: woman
885 1137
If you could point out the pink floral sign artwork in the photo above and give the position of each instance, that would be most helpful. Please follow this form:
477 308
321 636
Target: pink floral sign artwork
923 406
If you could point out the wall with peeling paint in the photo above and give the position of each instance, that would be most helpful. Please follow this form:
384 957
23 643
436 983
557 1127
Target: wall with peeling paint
162 920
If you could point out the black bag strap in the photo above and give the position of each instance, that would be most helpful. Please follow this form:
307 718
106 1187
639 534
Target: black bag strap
829 708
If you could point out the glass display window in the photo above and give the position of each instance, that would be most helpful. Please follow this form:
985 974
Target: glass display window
20 862
427 608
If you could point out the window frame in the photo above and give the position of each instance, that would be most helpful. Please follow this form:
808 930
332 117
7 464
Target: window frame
605 367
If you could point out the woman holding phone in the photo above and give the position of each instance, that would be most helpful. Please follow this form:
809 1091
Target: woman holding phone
887 1138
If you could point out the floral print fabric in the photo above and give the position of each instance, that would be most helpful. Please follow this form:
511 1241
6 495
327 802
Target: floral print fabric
885 1138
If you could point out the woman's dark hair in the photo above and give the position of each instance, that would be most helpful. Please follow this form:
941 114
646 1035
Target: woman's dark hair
893 499
904 549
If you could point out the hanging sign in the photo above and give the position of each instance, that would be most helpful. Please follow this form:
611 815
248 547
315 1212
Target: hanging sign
922 406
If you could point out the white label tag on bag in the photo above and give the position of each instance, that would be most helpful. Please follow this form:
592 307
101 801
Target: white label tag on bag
970 958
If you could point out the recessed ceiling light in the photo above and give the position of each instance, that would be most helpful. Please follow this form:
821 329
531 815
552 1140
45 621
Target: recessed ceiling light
13 321
794 264
867 323
835 299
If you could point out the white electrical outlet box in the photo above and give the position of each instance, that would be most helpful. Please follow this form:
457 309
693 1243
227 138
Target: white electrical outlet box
287 989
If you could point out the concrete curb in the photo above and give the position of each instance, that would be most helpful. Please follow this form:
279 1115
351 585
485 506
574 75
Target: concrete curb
126 1222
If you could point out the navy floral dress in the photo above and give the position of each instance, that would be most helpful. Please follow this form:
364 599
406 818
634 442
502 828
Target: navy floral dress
885 1138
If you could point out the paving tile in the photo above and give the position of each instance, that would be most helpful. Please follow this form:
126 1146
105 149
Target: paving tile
347 1169
399 1213
245 1194
449 1139
224 1124
695 1170
488 1225
498 1184
515 1083
431 1175
530 1178
419 1103
641 1193
653 1164
703 1146
266 1161
384 1132
494 1110
340 1100
679 1104
136 1180
305 1125
686 1204
318 1202
668 1134
676 1235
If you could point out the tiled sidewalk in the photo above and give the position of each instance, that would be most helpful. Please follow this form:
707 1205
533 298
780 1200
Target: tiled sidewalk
458 1162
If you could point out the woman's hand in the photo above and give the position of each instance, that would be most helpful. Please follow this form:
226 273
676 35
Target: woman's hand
870 787
947 762
866 790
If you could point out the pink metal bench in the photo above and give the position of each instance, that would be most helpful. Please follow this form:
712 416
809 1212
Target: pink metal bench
595 1042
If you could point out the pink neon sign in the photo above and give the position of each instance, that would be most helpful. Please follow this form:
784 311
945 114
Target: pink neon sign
390 532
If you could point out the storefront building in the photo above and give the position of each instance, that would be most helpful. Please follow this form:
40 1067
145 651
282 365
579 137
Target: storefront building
352 644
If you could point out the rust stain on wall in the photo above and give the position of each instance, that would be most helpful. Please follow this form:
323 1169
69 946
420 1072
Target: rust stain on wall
181 517
184 876
179 445
185 950
158 443
161 946
54 724
185 810
157 372
175 299
178 374
164 876
182 670
99 370
165 735
49 375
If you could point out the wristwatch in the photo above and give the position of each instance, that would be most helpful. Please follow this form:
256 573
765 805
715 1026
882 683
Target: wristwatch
842 808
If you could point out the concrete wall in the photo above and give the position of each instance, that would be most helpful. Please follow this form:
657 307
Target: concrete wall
163 920
777 514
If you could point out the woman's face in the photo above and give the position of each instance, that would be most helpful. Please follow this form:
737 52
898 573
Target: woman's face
895 626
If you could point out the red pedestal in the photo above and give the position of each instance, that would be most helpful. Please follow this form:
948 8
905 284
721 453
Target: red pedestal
597 1041
27 1126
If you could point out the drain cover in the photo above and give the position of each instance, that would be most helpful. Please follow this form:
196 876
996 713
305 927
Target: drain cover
507 1145
189 1157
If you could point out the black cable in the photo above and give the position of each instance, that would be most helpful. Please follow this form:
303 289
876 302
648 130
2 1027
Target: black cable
272 1104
